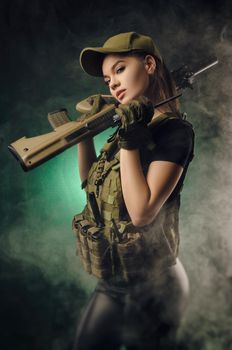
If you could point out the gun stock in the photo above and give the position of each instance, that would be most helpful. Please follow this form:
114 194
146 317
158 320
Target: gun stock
33 151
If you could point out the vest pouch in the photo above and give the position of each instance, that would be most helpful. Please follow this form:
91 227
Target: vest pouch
99 252
80 227
131 255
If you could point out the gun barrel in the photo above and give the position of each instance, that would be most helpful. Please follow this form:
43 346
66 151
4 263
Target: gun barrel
185 75
206 67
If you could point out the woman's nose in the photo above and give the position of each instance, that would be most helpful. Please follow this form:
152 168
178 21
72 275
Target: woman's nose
114 84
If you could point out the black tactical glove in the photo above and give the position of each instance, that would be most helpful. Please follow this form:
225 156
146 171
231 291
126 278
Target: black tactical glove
135 116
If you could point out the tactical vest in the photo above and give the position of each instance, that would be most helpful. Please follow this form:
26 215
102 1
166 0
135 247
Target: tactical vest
109 245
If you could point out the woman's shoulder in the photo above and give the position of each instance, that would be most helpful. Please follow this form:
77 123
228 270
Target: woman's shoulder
171 123
174 140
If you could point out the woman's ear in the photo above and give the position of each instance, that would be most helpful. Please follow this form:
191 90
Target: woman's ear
150 64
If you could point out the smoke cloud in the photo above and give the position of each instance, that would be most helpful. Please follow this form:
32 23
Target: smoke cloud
41 73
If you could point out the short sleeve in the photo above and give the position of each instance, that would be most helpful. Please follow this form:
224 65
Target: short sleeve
174 142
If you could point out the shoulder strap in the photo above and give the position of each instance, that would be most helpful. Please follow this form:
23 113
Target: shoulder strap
161 119
105 147
167 116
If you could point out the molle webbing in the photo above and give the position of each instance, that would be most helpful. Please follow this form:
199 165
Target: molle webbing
118 248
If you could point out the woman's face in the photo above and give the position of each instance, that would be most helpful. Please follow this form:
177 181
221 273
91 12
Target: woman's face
127 76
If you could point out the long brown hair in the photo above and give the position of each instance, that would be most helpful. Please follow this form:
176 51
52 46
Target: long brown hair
162 84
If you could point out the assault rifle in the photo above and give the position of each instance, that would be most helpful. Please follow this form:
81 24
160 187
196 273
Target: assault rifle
33 151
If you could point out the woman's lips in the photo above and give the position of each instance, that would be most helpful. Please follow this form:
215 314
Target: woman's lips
121 95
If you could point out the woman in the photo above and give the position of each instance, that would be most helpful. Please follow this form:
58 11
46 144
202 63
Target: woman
128 234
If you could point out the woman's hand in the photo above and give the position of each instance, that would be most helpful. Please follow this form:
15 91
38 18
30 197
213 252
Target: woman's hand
134 119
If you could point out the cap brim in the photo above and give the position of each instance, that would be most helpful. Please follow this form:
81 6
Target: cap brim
91 59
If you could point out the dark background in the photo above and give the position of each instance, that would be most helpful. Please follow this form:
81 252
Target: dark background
43 287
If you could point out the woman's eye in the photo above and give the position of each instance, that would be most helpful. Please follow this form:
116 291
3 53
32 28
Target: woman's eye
120 69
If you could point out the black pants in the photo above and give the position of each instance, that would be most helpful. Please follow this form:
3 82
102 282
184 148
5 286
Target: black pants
145 316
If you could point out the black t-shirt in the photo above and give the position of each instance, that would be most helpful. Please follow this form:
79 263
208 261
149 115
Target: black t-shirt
174 142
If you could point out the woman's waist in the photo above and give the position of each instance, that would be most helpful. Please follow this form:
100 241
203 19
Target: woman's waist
160 282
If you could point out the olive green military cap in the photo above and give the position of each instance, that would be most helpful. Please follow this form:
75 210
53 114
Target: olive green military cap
91 58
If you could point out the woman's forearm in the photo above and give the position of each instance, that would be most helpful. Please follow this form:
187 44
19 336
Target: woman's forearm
86 156
135 189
